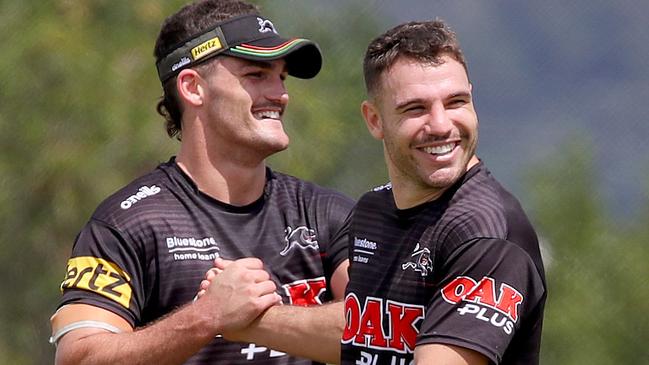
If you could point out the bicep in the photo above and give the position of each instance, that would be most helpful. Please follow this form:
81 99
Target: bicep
339 280
83 320
73 324
440 354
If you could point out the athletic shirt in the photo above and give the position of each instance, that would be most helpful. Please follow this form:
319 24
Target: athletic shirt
462 270
147 247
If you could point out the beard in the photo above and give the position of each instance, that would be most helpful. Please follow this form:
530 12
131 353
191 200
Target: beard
408 169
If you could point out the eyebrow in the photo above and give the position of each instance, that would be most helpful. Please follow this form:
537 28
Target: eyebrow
407 103
463 94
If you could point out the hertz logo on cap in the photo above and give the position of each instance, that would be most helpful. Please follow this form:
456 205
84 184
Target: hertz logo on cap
206 48
98 276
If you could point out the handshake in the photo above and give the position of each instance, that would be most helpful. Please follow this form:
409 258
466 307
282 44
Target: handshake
243 305
234 294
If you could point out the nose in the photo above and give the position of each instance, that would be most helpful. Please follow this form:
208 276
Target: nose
438 122
277 91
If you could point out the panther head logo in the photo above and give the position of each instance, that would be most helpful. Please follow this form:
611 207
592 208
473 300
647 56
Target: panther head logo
302 237
265 26
421 261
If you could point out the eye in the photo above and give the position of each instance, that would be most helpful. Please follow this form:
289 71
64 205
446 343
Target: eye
414 109
457 103
254 74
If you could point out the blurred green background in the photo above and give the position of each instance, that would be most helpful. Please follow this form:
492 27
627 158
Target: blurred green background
561 91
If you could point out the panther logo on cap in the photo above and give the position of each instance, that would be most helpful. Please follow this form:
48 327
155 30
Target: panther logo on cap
266 26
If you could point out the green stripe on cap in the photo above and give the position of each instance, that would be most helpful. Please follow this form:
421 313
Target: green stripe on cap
267 52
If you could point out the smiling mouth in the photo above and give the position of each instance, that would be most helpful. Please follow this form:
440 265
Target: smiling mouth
267 114
440 150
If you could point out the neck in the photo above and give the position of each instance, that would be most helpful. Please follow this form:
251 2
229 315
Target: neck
222 174
406 195
228 183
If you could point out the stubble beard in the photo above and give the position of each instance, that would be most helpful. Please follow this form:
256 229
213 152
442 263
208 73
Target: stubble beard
413 174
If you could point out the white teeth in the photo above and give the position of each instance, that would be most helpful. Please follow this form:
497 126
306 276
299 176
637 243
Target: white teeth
440 150
270 114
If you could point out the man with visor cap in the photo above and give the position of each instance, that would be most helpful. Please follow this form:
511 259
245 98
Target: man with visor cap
130 283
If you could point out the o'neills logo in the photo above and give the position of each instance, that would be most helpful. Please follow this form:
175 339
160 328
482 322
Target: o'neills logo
482 302
206 48
183 61
143 192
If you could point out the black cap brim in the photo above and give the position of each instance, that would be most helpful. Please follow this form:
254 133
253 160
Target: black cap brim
303 57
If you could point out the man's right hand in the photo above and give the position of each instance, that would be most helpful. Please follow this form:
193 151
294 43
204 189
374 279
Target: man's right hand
285 328
240 292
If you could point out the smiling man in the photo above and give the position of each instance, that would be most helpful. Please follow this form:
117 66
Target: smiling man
136 265
424 114
454 275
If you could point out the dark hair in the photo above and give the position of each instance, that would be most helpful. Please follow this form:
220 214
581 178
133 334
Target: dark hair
425 42
189 21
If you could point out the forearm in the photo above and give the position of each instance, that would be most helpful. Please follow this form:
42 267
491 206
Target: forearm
171 340
312 332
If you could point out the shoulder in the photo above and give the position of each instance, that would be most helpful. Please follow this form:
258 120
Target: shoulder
289 187
143 198
377 196
481 208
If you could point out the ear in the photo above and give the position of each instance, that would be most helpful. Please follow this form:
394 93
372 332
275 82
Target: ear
190 87
372 119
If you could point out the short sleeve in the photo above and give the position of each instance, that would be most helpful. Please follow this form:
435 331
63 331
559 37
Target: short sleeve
104 271
489 289
339 210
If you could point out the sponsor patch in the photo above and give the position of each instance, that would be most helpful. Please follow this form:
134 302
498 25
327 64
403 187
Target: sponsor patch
98 276
191 248
206 48
482 302
363 249
306 292
379 324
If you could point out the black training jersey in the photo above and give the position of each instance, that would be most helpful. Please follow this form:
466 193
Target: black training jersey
146 249
462 270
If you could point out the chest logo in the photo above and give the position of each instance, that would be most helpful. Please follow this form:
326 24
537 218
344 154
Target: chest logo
382 324
421 262
306 292
301 237
191 248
